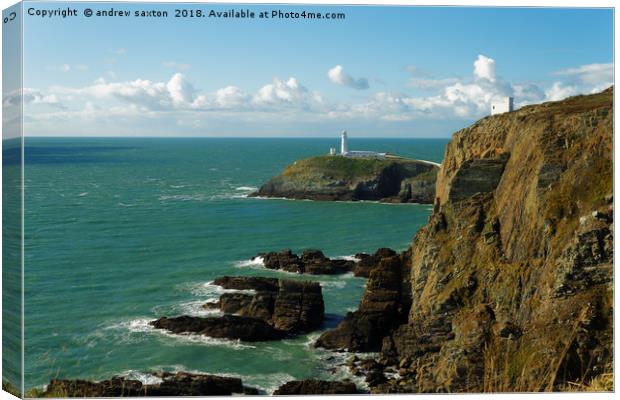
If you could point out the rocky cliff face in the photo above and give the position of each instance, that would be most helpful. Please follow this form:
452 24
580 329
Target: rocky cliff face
340 178
511 279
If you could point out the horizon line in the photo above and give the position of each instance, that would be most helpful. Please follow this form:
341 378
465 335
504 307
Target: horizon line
220 137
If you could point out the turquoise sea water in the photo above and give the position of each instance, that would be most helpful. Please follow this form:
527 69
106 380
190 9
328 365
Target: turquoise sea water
121 231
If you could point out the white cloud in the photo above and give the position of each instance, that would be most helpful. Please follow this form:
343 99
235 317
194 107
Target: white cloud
339 77
180 89
30 96
559 91
429 84
457 98
484 68
289 93
527 93
591 77
177 98
177 93
231 97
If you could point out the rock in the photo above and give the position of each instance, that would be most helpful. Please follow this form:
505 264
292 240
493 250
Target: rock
227 326
298 306
507 329
172 384
257 283
375 377
314 262
314 386
212 305
419 189
259 305
331 178
477 176
383 307
369 261
276 308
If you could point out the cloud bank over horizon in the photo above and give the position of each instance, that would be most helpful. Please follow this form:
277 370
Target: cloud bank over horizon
177 101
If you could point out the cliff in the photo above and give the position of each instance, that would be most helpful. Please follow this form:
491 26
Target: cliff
510 284
341 178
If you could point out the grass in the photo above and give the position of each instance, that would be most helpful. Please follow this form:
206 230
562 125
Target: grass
335 167
512 367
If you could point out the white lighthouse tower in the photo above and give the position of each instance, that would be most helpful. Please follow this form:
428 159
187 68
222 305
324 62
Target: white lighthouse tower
344 143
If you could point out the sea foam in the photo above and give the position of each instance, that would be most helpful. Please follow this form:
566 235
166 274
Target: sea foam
134 330
256 262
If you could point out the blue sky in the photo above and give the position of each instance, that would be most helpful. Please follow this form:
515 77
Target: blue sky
381 72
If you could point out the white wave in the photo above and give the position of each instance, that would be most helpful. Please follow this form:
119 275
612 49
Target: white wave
206 340
256 262
146 378
142 326
312 337
334 284
196 309
336 363
126 205
211 290
138 325
247 188
229 196
177 186
182 197
83 194
267 382
348 258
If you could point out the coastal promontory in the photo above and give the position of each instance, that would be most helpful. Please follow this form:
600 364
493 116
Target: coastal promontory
509 286
338 178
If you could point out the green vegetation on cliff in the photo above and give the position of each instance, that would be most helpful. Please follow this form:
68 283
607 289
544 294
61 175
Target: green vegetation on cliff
336 167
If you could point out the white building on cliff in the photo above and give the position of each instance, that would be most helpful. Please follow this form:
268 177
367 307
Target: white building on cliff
345 152
506 104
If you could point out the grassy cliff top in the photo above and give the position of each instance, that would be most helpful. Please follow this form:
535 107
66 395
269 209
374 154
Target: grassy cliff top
337 167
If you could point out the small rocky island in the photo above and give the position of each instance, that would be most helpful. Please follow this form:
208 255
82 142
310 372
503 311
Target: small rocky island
390 180
355 175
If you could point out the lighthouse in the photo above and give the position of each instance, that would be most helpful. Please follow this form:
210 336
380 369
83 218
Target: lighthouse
344 145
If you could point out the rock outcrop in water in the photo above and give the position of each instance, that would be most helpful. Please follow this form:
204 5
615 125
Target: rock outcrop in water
277 308
510 282
340 178
225 327
383 307
171 384
314 262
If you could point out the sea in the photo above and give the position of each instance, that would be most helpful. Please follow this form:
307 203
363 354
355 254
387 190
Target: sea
121 231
